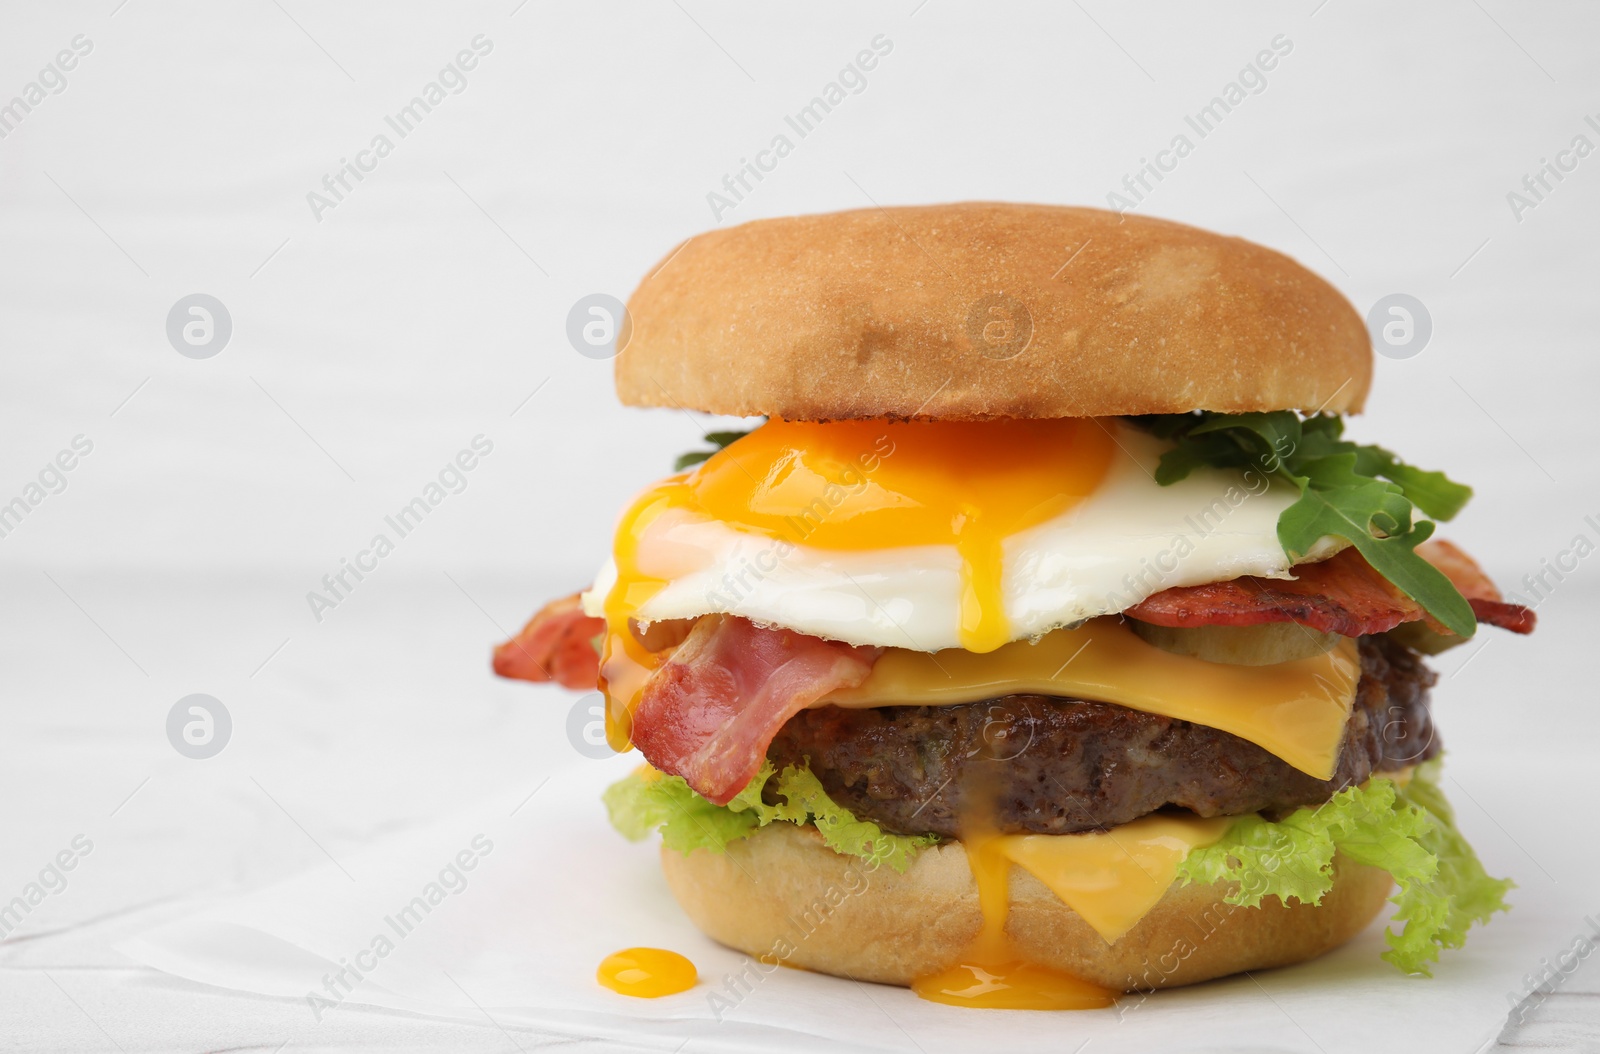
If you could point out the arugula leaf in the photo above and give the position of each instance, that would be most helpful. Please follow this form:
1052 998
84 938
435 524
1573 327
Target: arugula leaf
690 458
1432 492
716 439
1361 493
1376 518
1409 832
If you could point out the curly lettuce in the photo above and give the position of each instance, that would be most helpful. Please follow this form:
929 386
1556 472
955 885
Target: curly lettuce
1407 831
648 801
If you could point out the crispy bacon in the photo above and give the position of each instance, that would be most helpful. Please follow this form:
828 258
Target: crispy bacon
557 645
710 712
1341 595
1484 596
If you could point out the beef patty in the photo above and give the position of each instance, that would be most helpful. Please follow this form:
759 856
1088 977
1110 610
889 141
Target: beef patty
1059 765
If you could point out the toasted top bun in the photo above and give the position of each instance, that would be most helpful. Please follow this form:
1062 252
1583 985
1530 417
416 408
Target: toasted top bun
984 309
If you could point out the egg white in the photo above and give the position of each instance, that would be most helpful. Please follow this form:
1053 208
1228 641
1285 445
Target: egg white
1127 540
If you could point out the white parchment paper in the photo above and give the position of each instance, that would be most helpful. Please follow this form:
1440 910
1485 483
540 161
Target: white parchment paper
551 890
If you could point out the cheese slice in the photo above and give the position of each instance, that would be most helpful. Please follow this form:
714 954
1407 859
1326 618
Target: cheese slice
1295 710
1111 878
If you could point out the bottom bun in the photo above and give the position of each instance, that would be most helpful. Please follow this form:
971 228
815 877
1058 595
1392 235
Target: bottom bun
783 896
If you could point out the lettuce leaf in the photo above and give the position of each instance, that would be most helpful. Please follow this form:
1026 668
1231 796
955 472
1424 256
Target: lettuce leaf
647 801
1409 832
640 804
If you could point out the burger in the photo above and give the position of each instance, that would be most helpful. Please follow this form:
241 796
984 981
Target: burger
1044 638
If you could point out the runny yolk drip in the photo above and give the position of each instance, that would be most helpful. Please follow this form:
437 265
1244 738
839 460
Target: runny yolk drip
1110 879
863 485
647 972
625 663
992 974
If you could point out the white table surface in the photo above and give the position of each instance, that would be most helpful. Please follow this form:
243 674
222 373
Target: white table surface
370 346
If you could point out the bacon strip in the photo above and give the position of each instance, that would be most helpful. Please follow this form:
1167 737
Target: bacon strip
556 645
710 712
1341 595
1482 594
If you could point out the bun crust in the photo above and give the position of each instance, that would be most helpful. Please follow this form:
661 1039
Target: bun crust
981 310
783 895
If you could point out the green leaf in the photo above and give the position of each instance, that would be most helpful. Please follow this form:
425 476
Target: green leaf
841 831
1409 832
638 806
1279 433
1432 492
716 439
1215 451
646 802
693 457
1363 494
1375 517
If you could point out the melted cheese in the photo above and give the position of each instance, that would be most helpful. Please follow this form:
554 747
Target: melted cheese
1112 878
1296 710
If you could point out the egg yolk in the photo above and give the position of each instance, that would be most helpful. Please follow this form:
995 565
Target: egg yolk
865 485
875 485
992 974
647 972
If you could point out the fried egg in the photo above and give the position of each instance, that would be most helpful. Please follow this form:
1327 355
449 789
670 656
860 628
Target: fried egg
930 535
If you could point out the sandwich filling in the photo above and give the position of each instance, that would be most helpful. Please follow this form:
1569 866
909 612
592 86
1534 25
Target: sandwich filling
904 632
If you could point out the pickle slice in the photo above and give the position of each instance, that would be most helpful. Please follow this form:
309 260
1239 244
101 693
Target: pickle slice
1420 637
1264 645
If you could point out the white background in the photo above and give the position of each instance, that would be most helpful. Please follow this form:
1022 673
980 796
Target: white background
371 345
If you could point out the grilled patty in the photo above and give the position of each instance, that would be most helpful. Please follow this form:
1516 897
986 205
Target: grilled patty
1057 765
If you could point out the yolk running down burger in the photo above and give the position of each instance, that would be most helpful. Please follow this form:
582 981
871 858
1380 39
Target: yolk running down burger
1047 640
